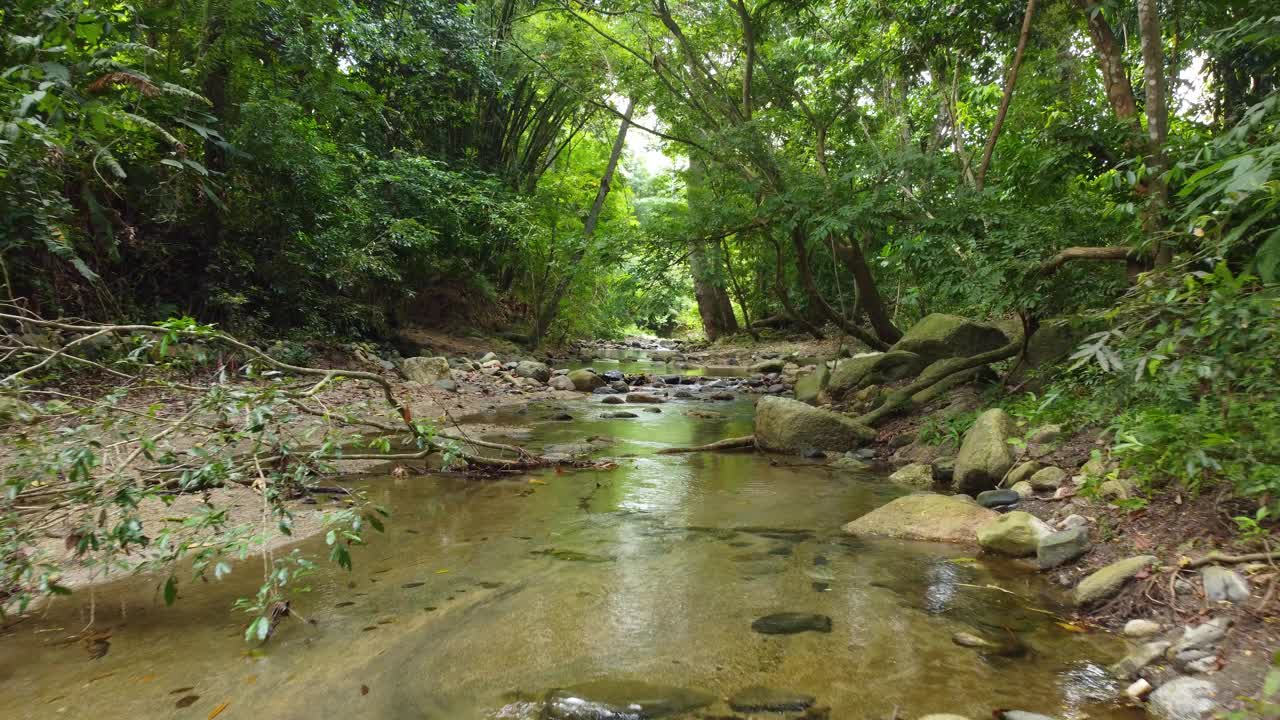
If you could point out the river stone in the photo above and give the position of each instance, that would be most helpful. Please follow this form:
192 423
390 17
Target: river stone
917 475
1023 489
1062 547
1183 698
1143 655
764 699
767 366
1016 534
940 336
810 384
1045 434
1022 472
844 462
1223 585
997 498
1050 478
1204 636
925 516
786 425
585 380
790 623
622 699
637 397
426 370
612 400
985 455
562 382
533 369
1140 628
877 369
619 415
612 376
1106 582
969 640
446 384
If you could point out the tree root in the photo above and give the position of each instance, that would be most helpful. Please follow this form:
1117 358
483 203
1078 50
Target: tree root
937 378
1219 557
733 443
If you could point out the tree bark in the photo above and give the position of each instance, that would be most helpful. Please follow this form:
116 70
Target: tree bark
780 287
737 290
548 313
1009 84
815 295
1115 78
1157 123
868 292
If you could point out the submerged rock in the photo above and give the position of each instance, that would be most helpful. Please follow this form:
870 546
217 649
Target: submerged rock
985 455
785 425
790 623
1106 582
925 516
764 699
622 700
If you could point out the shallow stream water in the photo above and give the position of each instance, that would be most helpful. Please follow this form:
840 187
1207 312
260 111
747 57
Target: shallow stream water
482 596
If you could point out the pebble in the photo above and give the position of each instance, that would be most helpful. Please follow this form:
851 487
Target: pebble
1140 628
1139 689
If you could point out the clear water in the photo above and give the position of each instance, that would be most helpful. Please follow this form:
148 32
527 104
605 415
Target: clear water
483 595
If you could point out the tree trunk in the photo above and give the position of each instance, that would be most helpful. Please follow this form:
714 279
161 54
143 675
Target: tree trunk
868 293
815 295
1115 78
737 290
1157 123
714 306
780 287
548 313
1009 84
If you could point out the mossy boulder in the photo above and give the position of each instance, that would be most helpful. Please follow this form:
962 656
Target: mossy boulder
810 385
1104 583
426 370
939 518
985 454
916 475
1016 534
533 369
13 411
585 380
786 425
859 372
940 336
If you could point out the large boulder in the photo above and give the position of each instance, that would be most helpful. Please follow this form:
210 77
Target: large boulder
585 380
985 455
533 369
940 336
916 475
809 385
940 518
1017 534
773 365
562 382
426 370
785 425
877 369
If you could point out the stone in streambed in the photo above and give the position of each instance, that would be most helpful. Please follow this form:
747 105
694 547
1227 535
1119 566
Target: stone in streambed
426 370
985 454
916 475
1016 534
1223 585
1183 698
764 699
997 498
790 623
533 369
1022 472
1062 547
785 425
1104 583
1141 627
809 385
618 699
612 400
585 380
562 382
637 397
1047 479
925 516
619 415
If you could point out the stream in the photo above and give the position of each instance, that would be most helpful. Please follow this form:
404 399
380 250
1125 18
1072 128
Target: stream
642 582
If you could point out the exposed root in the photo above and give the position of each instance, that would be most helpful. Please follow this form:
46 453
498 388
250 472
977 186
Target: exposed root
733 443
1219 557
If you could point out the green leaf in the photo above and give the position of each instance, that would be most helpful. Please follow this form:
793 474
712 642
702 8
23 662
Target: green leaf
170 590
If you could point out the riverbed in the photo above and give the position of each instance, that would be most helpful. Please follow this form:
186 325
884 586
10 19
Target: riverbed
481 597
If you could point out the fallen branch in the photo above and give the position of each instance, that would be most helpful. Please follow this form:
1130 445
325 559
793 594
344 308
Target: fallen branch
1053 264
733 443
922 391
1219 557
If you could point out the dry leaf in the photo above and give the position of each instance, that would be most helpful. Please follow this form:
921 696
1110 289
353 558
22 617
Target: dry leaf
441 572
1069 627
536 481
364 689
218 710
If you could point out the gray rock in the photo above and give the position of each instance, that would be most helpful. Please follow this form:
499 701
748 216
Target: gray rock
533 369
767 366
620 386
1046 434
763 699
924 516
1062 547
447 385
604 390
1204 636
1023 489
1206 664
612 376
1107 581
585 380
612 400
944 470
998 498
1183 698
809 385
985 455
426 370
639 397
1223 585
619 415
1071 521
846 462
1050 478
1016 534
1138 658
872 369
619 699
562 382
863 454
790 623
1023 715
1022 472
785 425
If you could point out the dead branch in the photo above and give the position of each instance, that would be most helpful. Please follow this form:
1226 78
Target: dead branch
733 443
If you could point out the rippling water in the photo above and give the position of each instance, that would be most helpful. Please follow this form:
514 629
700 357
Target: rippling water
483 595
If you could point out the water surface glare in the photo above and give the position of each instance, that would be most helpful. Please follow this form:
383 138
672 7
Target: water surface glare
481 596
